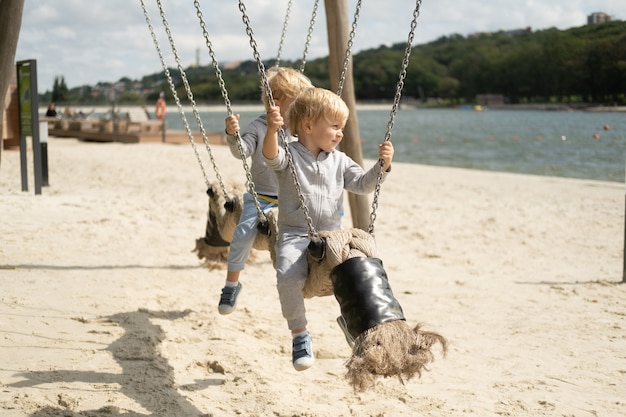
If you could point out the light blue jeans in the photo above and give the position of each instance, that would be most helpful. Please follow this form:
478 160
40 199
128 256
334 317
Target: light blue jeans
245 232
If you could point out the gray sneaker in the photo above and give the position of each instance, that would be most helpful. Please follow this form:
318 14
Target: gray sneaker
302 356
228 299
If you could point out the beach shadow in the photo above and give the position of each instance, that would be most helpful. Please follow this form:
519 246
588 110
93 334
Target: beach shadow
97 267
146 376
602 283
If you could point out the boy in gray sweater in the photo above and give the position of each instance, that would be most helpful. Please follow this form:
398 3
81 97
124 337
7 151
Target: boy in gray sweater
317 118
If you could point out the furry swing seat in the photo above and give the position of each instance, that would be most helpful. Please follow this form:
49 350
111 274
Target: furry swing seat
222 219
384 345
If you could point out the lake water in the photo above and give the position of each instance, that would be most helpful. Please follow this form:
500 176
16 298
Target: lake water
588 145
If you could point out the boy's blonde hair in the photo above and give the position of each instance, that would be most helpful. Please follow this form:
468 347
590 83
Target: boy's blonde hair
285 83
315 104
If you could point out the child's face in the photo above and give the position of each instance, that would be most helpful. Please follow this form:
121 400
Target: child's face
283 103
328 133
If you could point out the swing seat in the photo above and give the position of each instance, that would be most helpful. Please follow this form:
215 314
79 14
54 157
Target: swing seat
362 289
213 247
222 219
340 245
372 320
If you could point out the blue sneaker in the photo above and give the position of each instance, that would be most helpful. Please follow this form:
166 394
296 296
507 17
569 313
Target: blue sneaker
302 356
228 299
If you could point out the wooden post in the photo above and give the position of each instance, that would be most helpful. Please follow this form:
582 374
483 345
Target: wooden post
10 24
624 256
338 35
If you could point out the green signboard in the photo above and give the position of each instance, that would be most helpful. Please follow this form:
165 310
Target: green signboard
28 106
25 98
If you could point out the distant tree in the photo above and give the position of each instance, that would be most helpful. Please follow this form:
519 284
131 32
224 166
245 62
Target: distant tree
586 63
131 99
60 92
448 87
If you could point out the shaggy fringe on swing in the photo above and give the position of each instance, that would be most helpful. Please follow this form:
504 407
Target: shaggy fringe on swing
216 257
391 349
212 257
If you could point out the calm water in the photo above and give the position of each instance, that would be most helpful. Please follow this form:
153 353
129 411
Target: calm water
552 143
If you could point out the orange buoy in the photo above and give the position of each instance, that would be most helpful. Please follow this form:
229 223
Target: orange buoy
596 136
606 127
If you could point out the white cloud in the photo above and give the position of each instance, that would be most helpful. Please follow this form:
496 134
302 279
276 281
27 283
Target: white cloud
88 42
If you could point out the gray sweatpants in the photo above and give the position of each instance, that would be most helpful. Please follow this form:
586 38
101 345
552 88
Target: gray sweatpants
291 272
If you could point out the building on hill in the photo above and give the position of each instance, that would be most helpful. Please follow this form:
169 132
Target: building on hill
517 32
598 17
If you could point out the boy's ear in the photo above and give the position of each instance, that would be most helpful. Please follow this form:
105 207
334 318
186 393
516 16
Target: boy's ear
307 125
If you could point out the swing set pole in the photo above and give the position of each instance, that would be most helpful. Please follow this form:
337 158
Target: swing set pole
338 36
624 255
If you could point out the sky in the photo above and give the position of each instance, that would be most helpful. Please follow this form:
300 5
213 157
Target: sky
87 42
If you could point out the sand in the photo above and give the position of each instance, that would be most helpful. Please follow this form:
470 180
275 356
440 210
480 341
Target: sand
106 311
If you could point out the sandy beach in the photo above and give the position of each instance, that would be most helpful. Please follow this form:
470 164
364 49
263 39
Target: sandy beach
105 310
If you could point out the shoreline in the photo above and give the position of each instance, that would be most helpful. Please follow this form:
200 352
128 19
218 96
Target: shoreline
216 108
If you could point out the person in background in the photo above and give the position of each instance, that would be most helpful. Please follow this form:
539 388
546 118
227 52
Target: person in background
160 107
51 112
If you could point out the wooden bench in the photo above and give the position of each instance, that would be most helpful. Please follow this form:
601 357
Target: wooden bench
138 121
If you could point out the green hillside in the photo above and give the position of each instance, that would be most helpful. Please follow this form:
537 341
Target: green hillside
580 65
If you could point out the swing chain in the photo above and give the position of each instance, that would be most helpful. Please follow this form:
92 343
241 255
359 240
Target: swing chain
218 73
394 109
283 33
173 90
346 59
216 67
281 132
308 36
189 95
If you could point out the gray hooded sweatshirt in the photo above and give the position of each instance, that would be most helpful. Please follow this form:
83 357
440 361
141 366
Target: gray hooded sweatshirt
322 181
252 143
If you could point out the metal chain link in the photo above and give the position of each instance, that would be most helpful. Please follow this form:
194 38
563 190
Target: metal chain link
191 99
308 36
218 73
283 33
281 132
173 90
346 59
177 100
394 109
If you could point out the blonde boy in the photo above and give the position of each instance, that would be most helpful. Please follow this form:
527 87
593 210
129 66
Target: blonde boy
317 118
